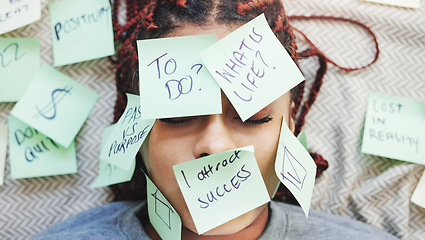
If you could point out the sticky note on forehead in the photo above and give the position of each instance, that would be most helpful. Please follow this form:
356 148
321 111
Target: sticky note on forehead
395 128
252 67
173 80
212 186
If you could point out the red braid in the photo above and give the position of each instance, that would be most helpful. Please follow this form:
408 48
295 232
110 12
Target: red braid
243 8
148 22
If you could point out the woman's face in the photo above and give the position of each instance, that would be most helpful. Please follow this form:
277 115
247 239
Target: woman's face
177 140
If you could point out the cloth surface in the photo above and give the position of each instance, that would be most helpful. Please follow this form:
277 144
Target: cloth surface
368 188
119 221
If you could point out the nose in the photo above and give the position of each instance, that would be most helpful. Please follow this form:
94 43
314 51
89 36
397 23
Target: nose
214 137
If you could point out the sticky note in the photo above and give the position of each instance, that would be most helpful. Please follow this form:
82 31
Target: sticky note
213 185
33 154
18 13
19 63
174 80
302 137
127 136
163 217
395 128
295 168
108 173
252 67
418 196
399 3
81 30
55 105
3 148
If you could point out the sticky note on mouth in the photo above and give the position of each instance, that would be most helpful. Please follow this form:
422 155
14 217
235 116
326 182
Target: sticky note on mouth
212 186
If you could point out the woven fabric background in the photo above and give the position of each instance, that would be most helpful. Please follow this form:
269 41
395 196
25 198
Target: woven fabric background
369 188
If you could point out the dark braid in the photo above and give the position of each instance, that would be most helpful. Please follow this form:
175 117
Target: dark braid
155 19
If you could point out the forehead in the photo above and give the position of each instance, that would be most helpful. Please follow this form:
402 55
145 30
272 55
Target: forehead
220 30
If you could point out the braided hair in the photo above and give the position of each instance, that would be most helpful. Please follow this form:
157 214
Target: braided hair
150 19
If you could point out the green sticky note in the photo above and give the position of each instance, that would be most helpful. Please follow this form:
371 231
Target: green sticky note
18 13
32 154
108 173
3 148
173 79
395 128
19 63
55 105
127 136
303 139
295 168
252 67
213 185
163 217
81 30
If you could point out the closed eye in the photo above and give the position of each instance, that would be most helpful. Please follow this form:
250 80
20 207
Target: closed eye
178 120
263 120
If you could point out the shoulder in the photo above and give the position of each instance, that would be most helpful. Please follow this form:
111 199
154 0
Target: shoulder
288 221
115 220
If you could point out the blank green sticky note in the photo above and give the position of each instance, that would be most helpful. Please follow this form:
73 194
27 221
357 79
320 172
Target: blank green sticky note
163 217
395 128
55 105
252 67
108 173
303 139
127 135
173 79
81 30
32 154
213 186
19 63
295 168
18 13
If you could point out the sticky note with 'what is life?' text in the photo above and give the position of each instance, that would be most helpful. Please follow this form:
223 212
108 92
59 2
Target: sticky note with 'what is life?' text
295 168
127 135
213 185
394 128
163 217
15 14
252 67
174 80
19 63
3 148
32 154
108 173
81 30
55 105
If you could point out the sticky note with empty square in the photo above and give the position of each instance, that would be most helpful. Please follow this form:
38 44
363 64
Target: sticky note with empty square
16 14
20 62
127 135
399 3
163 217
174 80
32 154
213 185
252 67
55 105
81 30
395 128
108 173
3 148
295 168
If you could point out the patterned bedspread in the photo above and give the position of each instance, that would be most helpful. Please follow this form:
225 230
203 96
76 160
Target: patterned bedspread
372 189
